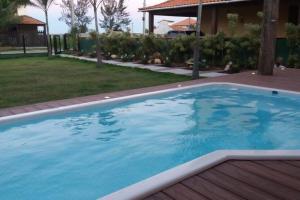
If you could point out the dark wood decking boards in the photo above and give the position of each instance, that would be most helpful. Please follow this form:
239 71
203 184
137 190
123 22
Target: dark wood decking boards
237 180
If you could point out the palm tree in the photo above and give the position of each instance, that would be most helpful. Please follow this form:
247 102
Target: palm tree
95 4
8 10
44 5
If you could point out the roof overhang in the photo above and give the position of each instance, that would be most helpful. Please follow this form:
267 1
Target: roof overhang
149 9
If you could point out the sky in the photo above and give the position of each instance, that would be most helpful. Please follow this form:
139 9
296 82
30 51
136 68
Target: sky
59 27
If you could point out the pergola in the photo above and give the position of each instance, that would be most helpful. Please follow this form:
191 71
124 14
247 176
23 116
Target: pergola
188 8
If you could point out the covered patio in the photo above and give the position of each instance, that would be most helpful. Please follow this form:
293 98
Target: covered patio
214 16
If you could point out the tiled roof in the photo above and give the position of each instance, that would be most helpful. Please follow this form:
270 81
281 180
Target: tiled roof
184 24
181 3
24 19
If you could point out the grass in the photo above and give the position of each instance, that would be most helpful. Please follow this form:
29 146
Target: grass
39 79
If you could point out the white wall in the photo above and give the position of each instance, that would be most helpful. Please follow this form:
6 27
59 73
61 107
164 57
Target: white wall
163 27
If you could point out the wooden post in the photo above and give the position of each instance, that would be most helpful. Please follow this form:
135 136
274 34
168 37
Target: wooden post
55 44
78 44
65 42
151 23
268 37
59 43
197 48
298 13
144 18
214 21
24 44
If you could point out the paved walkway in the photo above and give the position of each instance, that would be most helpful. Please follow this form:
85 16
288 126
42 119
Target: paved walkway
288 80
154 68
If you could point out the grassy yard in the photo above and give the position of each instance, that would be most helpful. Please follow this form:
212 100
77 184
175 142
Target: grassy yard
39 79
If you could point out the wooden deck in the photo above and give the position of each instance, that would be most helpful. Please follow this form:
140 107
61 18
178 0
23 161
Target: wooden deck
235 180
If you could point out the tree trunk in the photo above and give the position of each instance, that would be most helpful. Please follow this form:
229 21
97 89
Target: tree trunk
98 50
49 45
268 37
197 48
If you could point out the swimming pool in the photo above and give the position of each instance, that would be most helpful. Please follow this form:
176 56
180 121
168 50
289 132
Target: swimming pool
88 152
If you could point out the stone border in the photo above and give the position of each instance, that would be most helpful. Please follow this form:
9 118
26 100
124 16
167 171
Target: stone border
154 68
170 177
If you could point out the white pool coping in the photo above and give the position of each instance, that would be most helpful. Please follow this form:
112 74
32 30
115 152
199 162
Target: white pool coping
170 177
110 100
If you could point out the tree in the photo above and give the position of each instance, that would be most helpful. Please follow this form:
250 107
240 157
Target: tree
80 12
44 5
268 37
8 10
95 4
196 47
115 17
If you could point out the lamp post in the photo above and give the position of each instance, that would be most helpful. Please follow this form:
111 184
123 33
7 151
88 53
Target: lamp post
196 47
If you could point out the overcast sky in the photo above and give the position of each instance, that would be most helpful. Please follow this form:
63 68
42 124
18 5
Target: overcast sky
57 26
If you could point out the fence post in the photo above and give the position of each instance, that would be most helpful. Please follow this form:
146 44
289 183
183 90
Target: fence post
65 42
50 43
78 43
24 44
59 44
55 44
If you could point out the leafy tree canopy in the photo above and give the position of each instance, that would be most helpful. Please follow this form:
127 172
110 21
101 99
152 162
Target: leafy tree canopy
115 17
81 20
8 11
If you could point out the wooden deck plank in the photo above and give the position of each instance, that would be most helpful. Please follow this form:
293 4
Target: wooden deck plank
295 163
159 196
282 167
266 185
238 180
240 188
268 173
209 189
181 192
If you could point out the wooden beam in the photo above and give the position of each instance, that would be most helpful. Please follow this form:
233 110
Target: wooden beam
214 20
299 14
151 22
268 37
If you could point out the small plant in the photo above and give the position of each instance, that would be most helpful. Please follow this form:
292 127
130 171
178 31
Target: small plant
233 20
243 51
213 49
293 36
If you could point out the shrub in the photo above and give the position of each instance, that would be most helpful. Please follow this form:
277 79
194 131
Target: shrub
243 51
181 49
128 47
213 49
293 36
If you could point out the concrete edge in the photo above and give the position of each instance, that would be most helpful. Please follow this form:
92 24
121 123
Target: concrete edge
104 101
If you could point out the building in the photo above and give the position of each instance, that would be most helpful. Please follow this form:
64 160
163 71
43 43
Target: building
164 26
27 29
214 16
185 25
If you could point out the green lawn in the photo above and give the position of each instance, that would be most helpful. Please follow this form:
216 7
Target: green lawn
39 79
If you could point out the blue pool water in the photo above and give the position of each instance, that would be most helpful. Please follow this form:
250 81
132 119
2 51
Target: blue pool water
90 152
